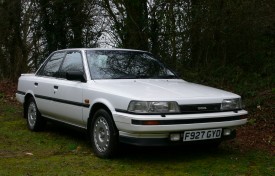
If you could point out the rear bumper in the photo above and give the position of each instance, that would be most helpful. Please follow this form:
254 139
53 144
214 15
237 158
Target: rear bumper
20 96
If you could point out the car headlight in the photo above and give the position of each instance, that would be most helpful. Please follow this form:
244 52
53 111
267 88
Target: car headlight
231 104
153 107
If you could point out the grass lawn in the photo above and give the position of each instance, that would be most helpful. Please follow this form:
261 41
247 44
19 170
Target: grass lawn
62 151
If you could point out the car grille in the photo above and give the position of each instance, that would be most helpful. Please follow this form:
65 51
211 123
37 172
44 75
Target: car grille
200 108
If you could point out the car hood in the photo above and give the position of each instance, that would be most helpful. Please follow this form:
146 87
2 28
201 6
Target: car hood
162 90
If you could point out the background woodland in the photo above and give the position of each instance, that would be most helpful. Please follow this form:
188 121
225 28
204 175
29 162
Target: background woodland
224 43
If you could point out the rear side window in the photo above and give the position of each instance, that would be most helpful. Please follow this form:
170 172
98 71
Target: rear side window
52 66
72 62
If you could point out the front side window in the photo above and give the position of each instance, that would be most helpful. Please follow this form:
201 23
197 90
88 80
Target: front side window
52 66
72 62
110 64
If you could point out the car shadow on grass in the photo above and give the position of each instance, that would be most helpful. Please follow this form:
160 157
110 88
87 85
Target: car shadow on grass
171 153
139 153
67 131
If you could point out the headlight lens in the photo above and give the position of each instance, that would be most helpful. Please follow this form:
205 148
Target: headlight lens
231 104
153 107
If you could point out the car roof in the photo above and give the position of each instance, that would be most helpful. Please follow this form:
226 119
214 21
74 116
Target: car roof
102 49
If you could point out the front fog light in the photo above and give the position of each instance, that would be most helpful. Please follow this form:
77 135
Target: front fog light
175 137
226 132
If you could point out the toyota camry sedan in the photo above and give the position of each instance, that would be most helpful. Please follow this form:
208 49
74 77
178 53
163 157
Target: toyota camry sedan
126 96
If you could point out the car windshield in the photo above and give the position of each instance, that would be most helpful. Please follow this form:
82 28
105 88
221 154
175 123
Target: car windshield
119 64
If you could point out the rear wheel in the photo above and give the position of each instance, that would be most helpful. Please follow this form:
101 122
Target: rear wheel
35 121
103 135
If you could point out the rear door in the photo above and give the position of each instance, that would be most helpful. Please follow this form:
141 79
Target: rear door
43 83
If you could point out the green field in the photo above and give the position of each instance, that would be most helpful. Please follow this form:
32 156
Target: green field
61 150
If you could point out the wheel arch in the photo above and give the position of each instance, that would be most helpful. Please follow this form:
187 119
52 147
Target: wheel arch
26 99
94 108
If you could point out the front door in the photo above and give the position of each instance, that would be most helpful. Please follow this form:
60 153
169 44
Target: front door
67 95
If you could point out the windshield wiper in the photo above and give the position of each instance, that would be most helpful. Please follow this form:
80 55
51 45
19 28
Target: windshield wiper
145 77
165 77
125 77
131 77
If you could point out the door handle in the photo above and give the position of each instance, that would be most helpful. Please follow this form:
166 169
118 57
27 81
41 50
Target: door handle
55 87
36 84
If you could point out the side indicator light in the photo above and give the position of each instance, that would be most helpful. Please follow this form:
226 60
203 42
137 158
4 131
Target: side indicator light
86 101
151 122
146 122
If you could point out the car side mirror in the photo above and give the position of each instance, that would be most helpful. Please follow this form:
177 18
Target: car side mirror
75 76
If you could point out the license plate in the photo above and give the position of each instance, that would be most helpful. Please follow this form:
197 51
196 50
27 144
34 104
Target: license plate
202 134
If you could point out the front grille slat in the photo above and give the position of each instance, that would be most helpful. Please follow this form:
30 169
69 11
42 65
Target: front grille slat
200 108
188 121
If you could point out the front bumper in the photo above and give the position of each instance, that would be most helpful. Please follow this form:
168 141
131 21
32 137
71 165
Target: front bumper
165 141
132 132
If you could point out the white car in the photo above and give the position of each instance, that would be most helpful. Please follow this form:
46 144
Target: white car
127 96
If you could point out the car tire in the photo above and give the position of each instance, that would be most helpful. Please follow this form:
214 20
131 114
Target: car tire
35 121
103 135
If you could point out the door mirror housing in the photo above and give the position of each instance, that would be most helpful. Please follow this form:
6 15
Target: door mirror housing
75 76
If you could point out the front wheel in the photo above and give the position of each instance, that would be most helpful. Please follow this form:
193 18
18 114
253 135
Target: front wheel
35 121
103 134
